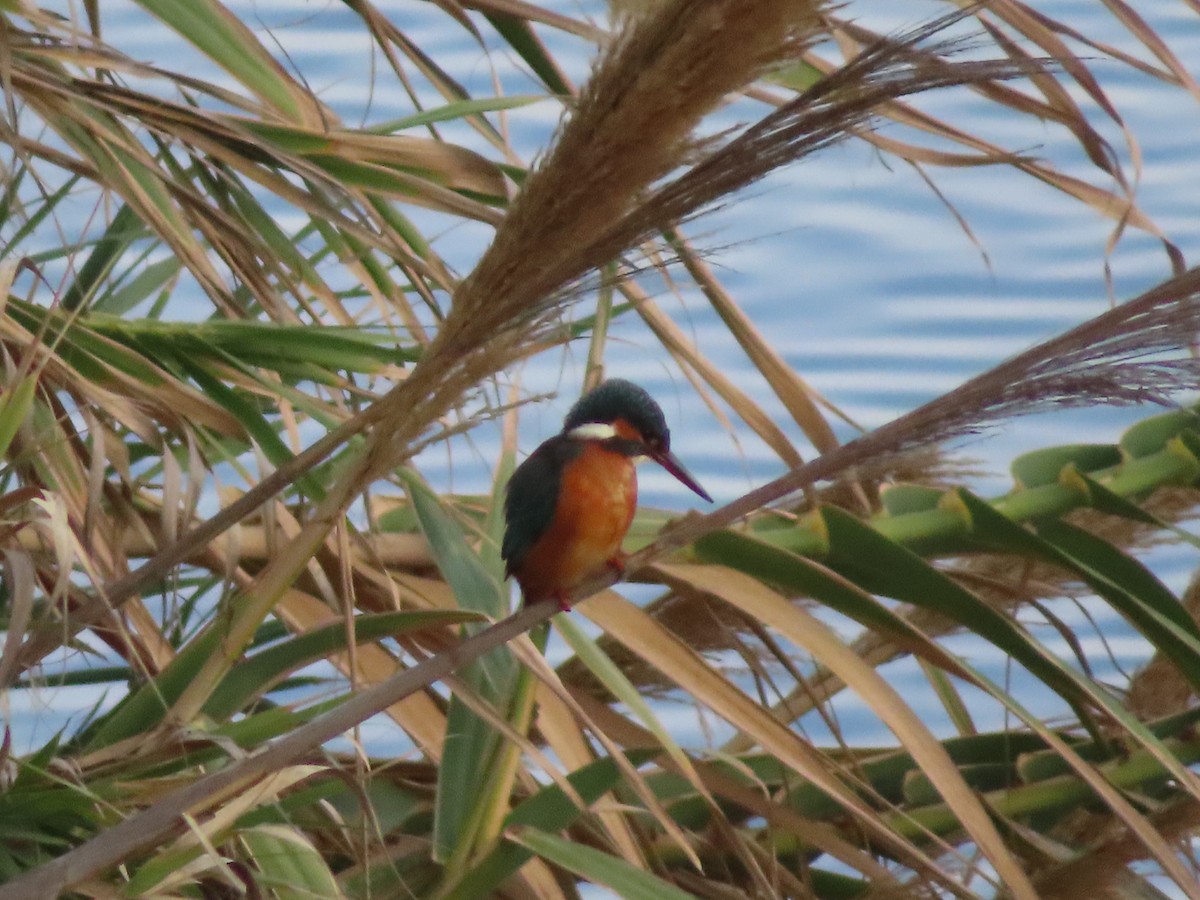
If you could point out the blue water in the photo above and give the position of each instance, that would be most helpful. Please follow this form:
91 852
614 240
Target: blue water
854 268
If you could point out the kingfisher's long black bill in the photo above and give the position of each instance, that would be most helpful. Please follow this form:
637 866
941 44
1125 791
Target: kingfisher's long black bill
671 463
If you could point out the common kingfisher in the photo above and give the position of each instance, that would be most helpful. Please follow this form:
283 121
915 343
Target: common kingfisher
571 502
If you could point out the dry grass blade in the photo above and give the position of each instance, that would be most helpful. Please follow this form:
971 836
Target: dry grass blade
20 578
800 400
648 639
549 680
417 714
774 810
803 630
1041 27
558 725
531 13
672 338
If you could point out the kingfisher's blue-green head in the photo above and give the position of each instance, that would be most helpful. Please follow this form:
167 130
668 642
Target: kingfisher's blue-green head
623 414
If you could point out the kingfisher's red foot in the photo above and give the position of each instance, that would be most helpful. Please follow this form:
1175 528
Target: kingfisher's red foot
617 564
563 601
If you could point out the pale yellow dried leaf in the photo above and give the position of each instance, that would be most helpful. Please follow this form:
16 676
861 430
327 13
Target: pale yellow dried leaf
55 530
763 605
626 623
760 802
172 491
97 472
532 12
629 846
20 579
262 792
676 343
1176 71
797 396
457 167
561 730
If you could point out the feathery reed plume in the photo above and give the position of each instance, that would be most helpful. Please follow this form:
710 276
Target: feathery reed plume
631 125
828 112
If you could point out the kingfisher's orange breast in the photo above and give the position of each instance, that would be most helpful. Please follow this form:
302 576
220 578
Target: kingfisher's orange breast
597 497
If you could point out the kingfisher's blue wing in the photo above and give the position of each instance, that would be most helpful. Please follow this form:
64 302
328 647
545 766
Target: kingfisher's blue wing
532 498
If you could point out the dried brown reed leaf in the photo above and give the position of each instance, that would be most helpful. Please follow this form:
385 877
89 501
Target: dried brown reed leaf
1174 72
798 398
535 661
417 714
774 810
690 359
533 13
19 581
645 637
558 726
514 730
1058 106
394 44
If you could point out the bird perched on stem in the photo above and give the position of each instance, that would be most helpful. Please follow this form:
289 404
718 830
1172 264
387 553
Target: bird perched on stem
571 502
